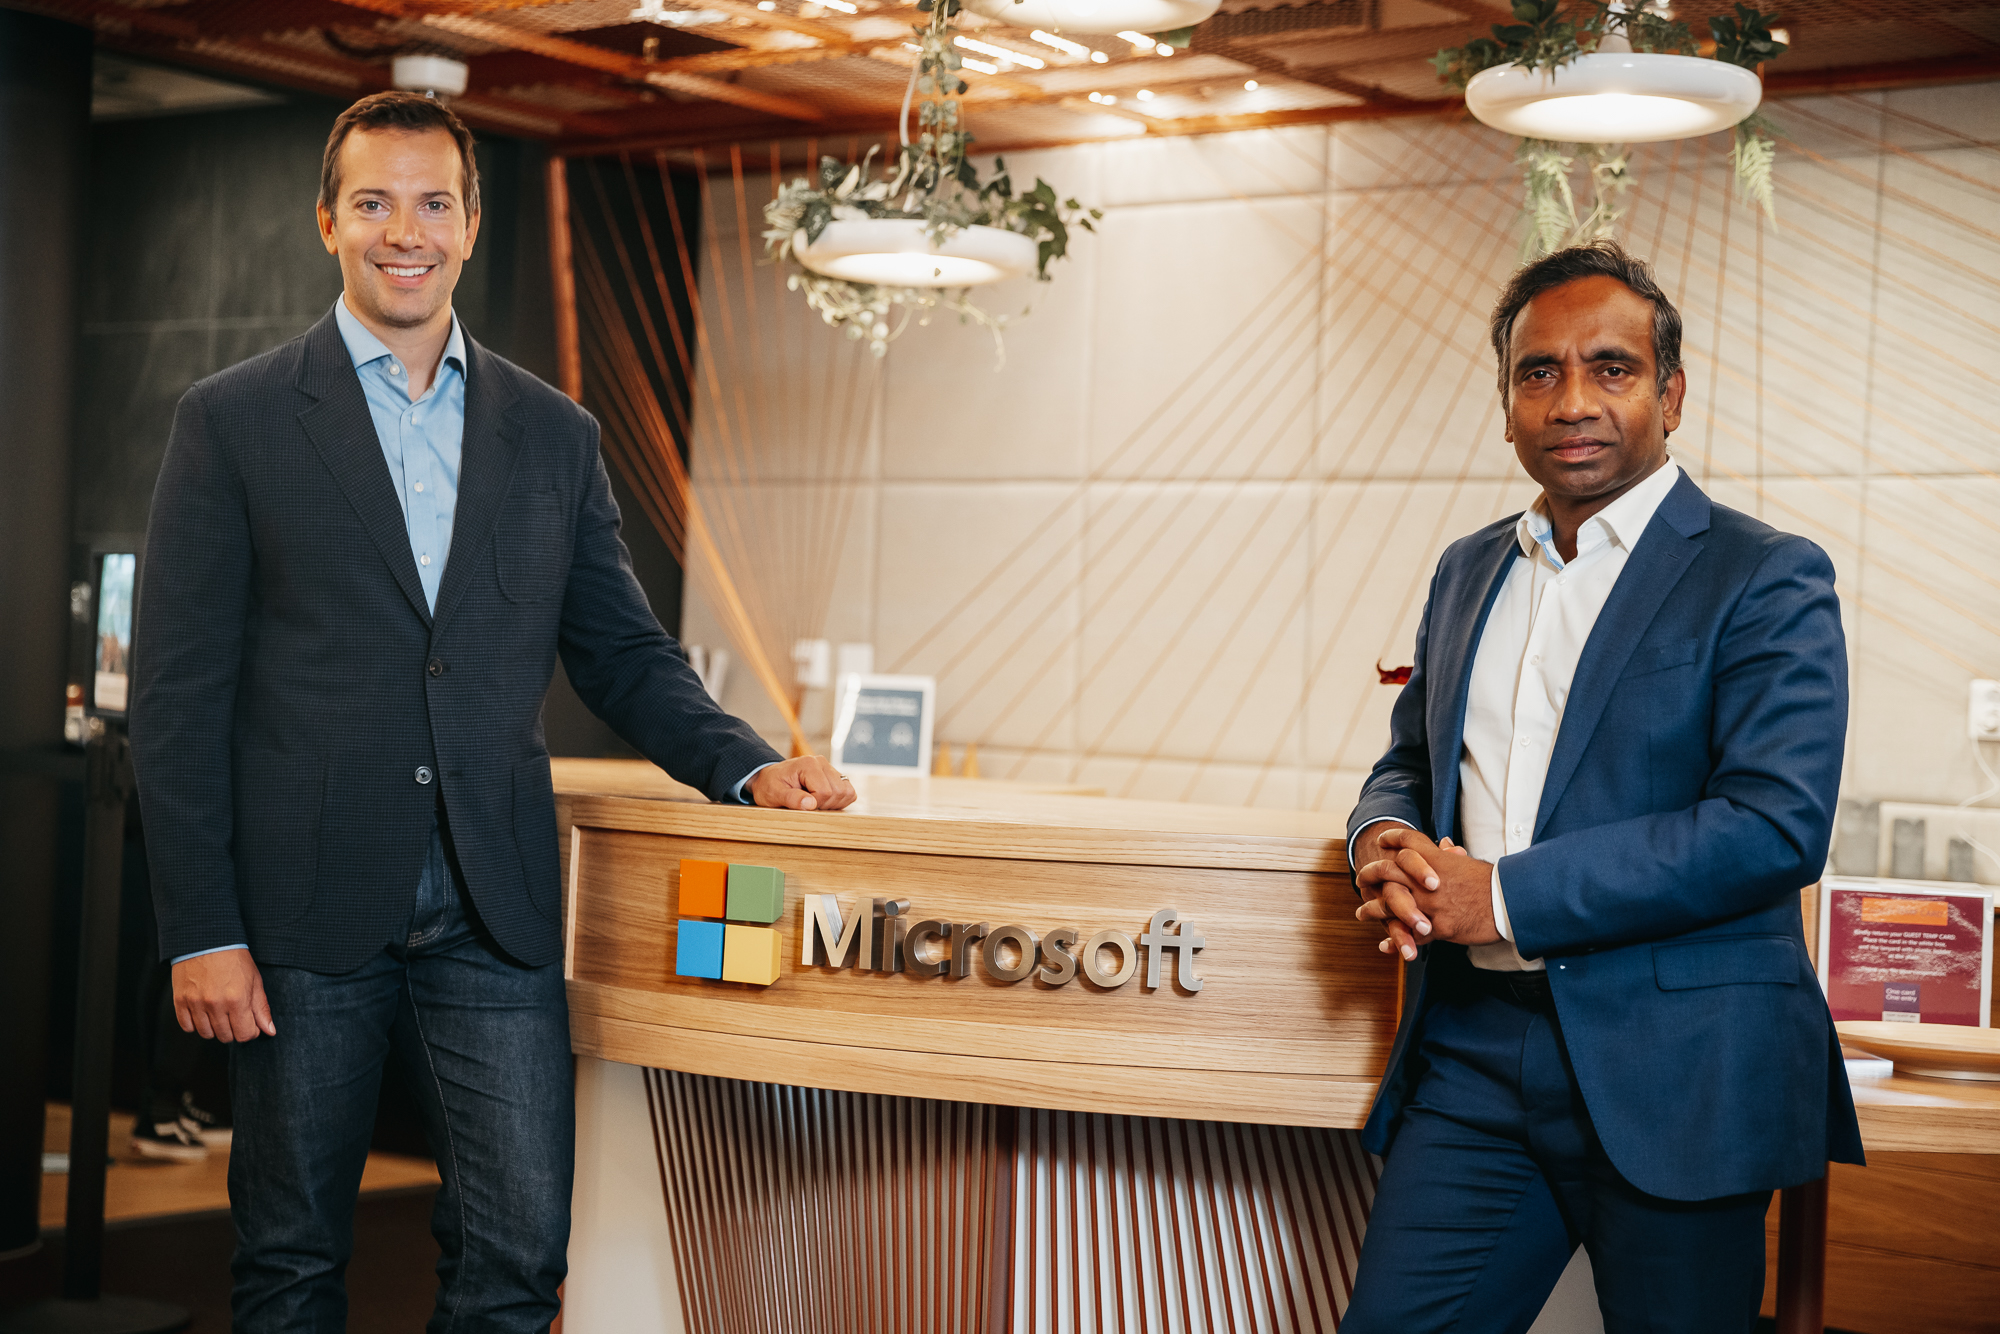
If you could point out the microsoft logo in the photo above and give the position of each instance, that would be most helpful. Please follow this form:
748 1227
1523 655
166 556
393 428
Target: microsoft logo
732 950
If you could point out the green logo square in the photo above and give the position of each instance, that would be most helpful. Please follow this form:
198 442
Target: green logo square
756 893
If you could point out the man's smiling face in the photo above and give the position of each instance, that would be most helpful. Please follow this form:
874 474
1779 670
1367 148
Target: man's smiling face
399 225
1585 411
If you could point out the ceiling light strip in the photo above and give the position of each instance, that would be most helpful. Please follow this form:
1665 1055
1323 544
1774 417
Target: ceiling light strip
999 52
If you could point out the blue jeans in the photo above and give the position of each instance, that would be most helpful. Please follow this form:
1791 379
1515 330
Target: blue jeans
484 1043
1496 1176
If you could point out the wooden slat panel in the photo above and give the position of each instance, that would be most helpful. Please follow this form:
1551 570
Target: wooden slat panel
800 1209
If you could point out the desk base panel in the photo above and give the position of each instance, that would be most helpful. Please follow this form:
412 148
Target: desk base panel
796 1208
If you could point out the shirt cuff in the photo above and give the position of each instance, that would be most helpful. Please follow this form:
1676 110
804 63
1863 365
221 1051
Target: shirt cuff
741 792
1381 819
1500 922
198 953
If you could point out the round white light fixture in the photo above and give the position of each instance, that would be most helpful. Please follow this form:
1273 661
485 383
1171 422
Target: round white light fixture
1089 16
895 252
1615 97
429 74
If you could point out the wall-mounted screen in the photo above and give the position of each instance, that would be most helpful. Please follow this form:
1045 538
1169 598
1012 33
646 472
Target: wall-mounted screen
117 585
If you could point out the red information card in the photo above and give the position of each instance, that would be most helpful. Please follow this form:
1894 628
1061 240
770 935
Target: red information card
1910 950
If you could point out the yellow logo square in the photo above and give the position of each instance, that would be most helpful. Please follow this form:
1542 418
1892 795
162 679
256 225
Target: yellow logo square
750 954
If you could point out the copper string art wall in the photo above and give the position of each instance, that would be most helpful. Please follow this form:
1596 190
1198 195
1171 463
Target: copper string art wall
1235 481
803 1209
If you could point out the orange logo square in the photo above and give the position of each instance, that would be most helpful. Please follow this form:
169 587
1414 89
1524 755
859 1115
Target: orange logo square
704 889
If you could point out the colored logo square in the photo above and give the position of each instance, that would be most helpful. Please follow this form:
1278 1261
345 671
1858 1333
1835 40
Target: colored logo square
704 889
750 954
756 893
699 951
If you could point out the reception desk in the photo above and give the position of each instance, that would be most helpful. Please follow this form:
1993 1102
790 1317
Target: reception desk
939 1129
958 1124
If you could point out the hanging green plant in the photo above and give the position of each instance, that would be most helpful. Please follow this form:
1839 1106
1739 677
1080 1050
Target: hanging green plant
956 232
1549 205
1550 34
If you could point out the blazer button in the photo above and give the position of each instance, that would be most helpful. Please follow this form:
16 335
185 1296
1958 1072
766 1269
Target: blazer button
435 667
423 773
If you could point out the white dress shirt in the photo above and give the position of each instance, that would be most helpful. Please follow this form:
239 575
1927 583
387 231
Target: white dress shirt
1521 674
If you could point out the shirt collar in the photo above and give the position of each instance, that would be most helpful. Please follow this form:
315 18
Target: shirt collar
1623 521
365 347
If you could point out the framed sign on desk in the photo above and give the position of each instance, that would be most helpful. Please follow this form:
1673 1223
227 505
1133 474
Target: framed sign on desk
884 724
1907 951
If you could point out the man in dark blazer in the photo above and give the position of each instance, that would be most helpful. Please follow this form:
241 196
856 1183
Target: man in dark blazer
367 549
1613 768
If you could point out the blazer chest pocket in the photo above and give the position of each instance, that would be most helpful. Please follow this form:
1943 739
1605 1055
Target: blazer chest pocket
1729 961
531 548
1651 658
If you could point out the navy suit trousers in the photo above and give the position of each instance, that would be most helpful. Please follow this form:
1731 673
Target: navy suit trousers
1497 1176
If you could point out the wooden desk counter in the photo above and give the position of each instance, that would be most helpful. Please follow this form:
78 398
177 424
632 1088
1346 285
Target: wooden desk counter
1291 1025
1277 1053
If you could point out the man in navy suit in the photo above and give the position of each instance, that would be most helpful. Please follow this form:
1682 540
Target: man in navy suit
367 549
1613 768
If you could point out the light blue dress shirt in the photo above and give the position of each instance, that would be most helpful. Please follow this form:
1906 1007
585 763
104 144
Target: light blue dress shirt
423 443
422 439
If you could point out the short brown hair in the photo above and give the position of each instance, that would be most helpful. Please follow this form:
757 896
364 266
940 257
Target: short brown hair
397 110
1597 259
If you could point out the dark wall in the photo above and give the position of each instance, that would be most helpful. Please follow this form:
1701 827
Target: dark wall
44 125
201 250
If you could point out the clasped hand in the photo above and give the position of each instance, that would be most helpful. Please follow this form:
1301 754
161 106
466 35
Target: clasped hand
1422 891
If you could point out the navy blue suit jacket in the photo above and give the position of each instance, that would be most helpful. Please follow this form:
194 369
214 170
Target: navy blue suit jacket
292 681
1690 796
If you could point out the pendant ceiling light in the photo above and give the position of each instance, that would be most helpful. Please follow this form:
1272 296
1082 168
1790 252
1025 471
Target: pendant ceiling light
1611 96
1096 16
896 252
429 74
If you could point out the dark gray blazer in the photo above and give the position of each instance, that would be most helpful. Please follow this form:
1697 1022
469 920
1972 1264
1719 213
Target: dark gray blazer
299 712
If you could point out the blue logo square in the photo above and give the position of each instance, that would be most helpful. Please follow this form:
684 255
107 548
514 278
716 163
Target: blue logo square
698 953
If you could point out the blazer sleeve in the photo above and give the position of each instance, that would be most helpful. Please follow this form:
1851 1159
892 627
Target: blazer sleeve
1399 787
630 671
187 655
1764 823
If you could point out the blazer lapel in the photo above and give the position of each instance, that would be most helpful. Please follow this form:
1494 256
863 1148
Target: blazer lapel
1456 624
485 471
343 431
1663 554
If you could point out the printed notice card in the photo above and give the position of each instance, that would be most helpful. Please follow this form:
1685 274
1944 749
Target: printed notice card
1913 951
883 724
